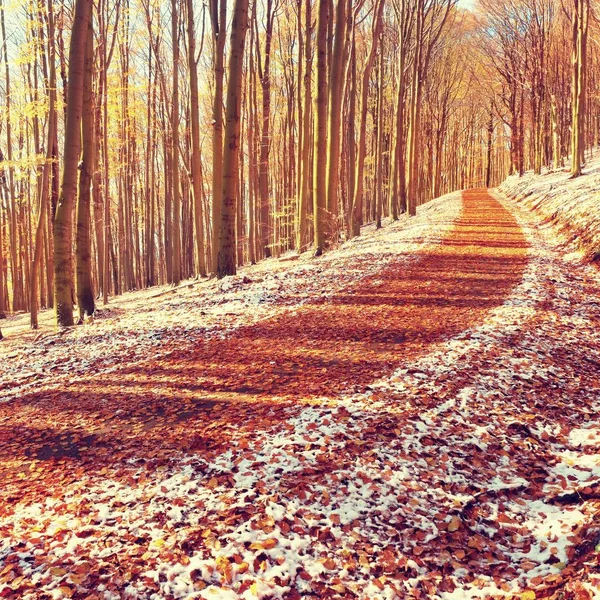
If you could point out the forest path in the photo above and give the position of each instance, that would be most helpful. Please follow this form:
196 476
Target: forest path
426 432
325 348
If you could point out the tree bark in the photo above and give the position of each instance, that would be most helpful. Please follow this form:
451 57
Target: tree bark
265 139
196 169
63 222
226 258
335 118
218 14
83 250
16 276
357 203
176 220
304 173
44 183
320 152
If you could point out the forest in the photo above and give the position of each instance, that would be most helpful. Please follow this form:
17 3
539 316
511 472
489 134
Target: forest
217 135
300 299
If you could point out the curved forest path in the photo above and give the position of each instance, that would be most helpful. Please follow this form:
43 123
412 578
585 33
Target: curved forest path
428 431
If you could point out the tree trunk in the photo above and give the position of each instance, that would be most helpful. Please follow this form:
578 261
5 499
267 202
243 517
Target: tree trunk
226 258
44 185
415 115
16 278
579 39
265 140
379 140
490 138
63 222
305 171
83 251
335 118
218 13
320 153
357 203
196 170
176 222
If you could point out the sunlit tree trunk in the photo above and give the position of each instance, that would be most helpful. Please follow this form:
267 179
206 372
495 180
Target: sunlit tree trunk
264 73
415 114
218 15
105 60
320 151
379 138
196 169
176 222
12 212
397 196
85 294
580 21
352 77
490 139
357 203
44 182
2 282
335 117
63 222
226 258
304 173
556 153
252 177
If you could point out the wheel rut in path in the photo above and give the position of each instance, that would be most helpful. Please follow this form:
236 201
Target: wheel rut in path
191 399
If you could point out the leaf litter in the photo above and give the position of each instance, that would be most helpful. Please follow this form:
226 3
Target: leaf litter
426 431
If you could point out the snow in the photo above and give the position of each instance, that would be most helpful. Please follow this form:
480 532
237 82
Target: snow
588 436
453 436
570 207
138 324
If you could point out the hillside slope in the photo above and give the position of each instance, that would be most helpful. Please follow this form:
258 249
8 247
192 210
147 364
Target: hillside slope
569 206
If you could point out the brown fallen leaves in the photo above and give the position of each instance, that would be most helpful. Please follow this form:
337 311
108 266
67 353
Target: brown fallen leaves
148 423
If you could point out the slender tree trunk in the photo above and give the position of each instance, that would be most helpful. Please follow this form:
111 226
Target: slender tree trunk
490 139
226 259
196 170
83 250
556 154
16 277
398 178
105 60
357 204
63 222
252 195
218 12
305 172
149 183
335 118
176 222
320 152
44 183
2 282
379 140
265 140
579 39
415 115
351 135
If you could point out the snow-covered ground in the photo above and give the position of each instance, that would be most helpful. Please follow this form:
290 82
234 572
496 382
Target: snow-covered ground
470 471
145 323
570 206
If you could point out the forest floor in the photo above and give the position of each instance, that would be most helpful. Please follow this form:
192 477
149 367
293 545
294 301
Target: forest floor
414 415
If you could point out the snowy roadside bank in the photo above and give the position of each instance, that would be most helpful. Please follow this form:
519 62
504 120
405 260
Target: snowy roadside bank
148 322
571 207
